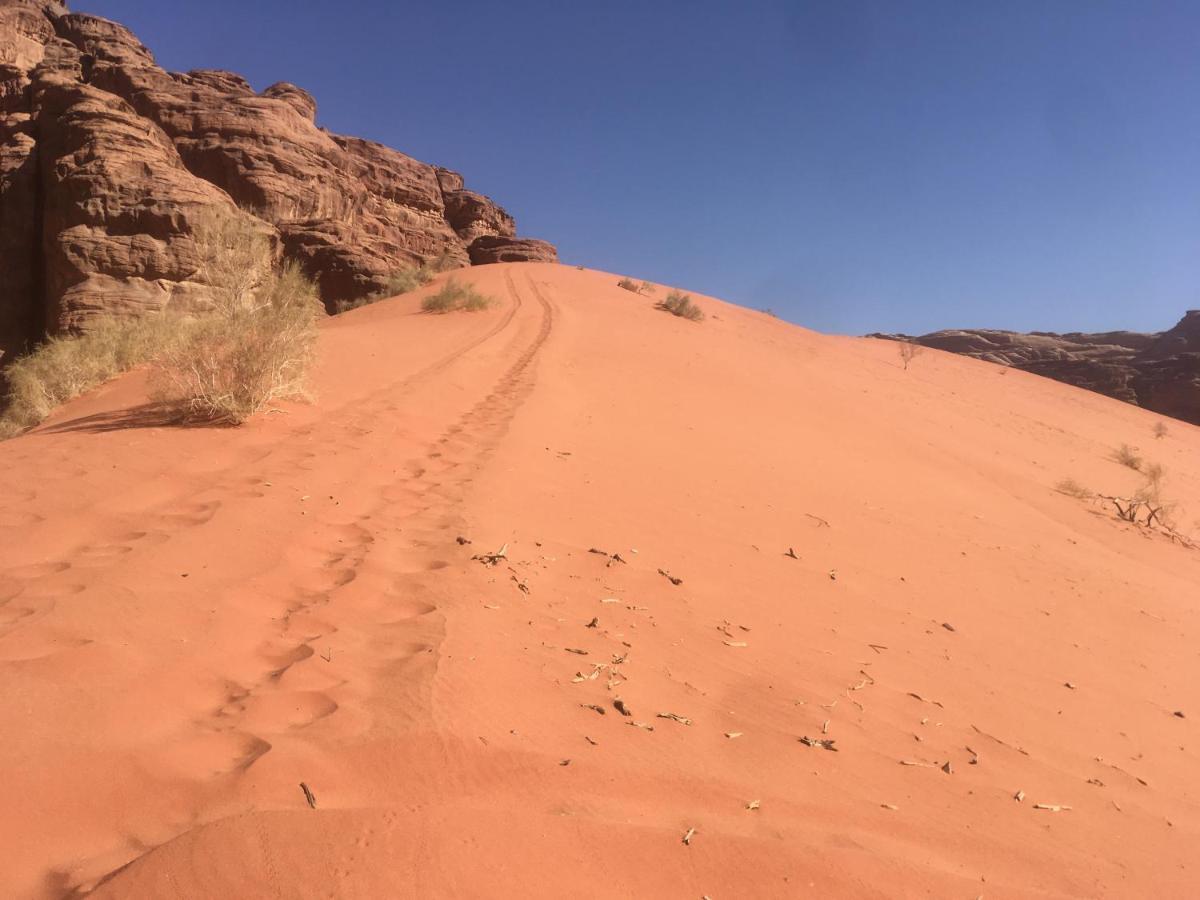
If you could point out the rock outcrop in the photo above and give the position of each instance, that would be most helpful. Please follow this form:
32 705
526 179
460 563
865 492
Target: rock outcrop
497 248
1160 372
106 160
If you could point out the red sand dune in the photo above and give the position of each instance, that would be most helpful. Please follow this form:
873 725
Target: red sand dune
195 621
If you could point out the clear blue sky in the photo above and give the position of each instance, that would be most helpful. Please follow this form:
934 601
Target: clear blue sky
857 166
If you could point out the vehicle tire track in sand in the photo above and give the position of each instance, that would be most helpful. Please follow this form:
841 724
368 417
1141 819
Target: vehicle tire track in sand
365 576
186 511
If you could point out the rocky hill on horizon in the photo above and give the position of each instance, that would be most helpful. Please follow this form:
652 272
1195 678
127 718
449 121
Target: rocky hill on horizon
107 159
1159 372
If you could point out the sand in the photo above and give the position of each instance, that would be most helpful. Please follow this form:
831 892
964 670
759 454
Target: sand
193 622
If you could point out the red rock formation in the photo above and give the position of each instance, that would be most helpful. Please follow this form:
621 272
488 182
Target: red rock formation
1160 372
106 159
496 248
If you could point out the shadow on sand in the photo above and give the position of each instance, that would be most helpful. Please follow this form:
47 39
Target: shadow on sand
147 415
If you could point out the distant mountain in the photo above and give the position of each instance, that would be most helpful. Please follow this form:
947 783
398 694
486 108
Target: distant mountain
1160 372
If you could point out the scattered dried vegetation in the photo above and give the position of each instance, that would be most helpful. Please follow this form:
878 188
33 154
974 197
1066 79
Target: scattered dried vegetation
65 367
454 296
1127 456
1073 488
402 282
908 352
680 304
235 362
1147 507
253 347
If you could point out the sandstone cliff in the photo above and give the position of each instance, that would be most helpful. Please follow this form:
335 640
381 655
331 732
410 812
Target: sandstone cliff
1160 372
106 160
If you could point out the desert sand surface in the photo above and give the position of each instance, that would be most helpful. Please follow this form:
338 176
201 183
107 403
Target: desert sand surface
193 622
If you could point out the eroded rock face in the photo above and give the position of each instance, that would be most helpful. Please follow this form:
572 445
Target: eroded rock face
497 248
1160 372
106 159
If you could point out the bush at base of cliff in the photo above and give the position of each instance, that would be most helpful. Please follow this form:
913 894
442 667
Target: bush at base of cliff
455 296
232 364
64 367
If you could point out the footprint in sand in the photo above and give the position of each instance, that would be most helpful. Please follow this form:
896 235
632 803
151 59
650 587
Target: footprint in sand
210 754
35 642
190 515
17 519
277 711
100 554
37 570
405 610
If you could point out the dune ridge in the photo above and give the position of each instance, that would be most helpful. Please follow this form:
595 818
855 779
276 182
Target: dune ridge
193 622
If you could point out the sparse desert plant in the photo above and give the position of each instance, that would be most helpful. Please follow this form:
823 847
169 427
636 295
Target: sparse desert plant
235 256
908 352
257 344
646 288
66 366
400 282
680 304
629 284
1128 457
253 347
231 364
1160 430
454 296
1073 488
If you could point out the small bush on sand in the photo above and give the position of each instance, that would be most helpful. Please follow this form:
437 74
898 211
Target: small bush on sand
235 255
64 367
680 304
646 288
1160 430
231 364
1073 488
908 352
402 282
1127 456
454 296
253 347
629 284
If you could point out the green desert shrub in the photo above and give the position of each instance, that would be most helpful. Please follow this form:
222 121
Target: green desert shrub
455 296
680 304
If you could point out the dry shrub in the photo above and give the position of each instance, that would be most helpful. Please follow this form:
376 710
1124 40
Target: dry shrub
233 363
645 288
1073 488
680 304
908 352
454 296
253 347
402 281
1160 430
629 284
1127 456
64 367
235 256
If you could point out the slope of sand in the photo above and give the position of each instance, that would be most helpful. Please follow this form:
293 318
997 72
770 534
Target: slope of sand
193 622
